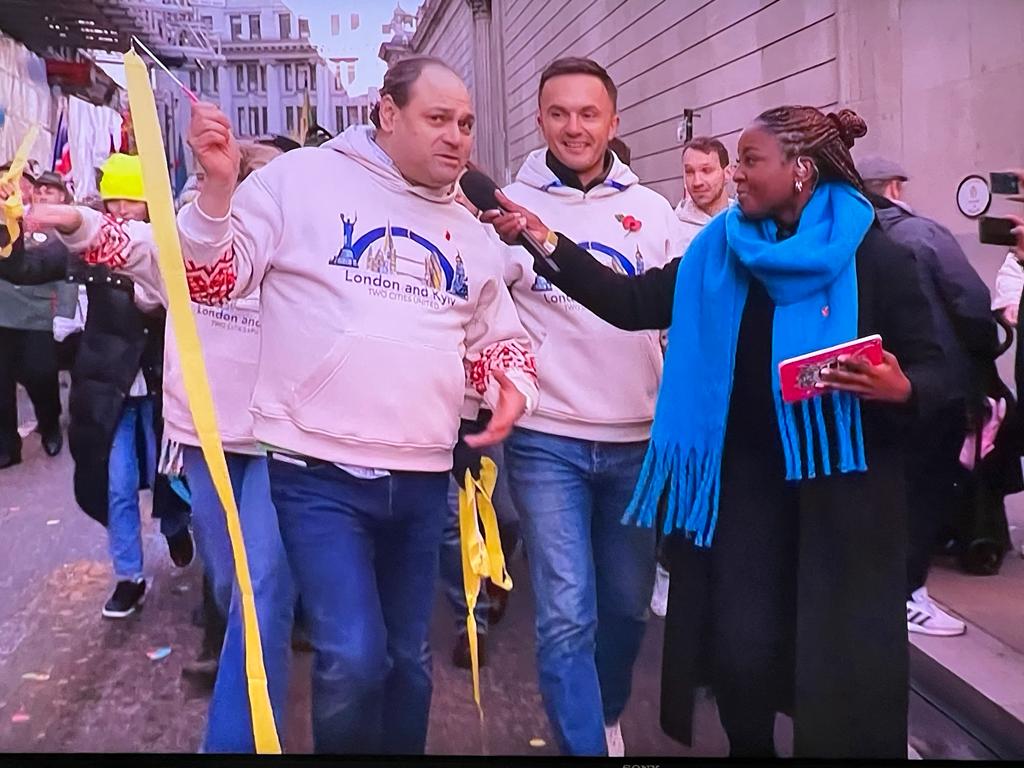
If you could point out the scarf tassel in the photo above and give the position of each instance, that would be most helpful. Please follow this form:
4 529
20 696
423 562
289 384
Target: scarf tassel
801 454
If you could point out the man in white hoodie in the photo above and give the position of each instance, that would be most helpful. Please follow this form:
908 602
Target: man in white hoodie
706 172
379 297
573 464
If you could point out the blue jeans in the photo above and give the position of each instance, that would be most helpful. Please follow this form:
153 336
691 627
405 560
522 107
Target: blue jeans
229 724
451 545
592 576
132 459
364 554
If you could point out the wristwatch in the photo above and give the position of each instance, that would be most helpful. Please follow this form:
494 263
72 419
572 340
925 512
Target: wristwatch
550 242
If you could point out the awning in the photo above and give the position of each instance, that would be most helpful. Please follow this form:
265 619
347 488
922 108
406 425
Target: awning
85 80
43 25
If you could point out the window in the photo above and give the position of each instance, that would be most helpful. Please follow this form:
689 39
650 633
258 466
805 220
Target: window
365 111
241 122
289 85
351 72
253 70
239 78
284 22
312 116
266 123
254 27
353 115
335 24
354 21
214 78
207 22
254 120
301 77
192 81
339 119
338 85
236 27
303 27
312 77
289 118
263 78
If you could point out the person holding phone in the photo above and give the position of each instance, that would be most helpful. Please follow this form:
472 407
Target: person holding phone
789 554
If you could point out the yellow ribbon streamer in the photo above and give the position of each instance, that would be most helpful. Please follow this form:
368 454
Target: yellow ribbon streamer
14 206
161 213
482 556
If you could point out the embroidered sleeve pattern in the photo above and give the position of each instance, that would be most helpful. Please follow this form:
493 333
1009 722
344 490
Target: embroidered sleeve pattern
503 355
211 284
110 246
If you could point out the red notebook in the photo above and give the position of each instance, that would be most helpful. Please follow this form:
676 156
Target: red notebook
798 375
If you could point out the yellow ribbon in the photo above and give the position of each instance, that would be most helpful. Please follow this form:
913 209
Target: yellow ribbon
482 557
161 214
14 206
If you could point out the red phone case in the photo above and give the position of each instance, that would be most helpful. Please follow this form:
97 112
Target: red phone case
798 375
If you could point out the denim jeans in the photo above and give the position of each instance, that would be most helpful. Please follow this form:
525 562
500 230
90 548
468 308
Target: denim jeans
229 725
451 545
134 442
364 554
592 576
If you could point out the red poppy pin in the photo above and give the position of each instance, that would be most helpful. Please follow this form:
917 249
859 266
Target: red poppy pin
447 235
629 223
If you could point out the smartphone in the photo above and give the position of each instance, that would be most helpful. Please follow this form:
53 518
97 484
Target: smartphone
798 375
1004 183
993 230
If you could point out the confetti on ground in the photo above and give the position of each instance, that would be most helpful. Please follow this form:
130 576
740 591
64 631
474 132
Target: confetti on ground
21 716
158 654
52 522
39 677
538 743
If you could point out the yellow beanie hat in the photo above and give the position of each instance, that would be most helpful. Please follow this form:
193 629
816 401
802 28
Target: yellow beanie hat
122 178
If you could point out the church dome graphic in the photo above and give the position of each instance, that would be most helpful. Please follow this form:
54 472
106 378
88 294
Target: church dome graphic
399 251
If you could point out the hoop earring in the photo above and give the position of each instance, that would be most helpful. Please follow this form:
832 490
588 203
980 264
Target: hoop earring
799 185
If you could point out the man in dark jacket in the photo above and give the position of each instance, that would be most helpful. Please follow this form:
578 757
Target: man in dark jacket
966 331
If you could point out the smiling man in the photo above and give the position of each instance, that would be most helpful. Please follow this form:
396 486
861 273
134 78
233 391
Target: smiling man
378 294
574 463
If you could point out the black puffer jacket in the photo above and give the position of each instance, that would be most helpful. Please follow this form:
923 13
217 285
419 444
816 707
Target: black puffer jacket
117 342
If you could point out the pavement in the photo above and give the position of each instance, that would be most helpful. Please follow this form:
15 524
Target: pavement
71 681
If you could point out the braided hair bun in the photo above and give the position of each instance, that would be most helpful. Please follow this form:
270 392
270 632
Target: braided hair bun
851 126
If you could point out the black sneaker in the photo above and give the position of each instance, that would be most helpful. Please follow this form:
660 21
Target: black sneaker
460 652
127 598
9 459
181 548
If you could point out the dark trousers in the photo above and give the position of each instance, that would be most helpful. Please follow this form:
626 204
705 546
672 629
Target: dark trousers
28 357
933 466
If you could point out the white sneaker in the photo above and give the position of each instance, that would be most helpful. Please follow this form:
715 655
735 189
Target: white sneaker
613 738
659 600
926 618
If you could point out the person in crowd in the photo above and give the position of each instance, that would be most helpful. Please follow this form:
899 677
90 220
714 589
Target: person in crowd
1010 280
115 395
573 464
621 150
706 172
706 175
966 331
50 188
492 601
366 340
28 355
790 518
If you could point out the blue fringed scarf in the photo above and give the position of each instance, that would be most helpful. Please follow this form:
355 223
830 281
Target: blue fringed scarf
812 278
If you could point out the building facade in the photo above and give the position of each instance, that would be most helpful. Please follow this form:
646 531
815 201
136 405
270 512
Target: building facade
938 81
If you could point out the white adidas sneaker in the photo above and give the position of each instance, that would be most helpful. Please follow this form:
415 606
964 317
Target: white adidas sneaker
613 738
926 618
659 599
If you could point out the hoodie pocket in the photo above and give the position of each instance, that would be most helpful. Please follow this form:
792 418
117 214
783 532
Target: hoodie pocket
382 391
610 379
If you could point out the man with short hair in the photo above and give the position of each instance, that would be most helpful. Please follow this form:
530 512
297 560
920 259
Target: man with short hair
706 172
574 463
50 188
966 331
379 297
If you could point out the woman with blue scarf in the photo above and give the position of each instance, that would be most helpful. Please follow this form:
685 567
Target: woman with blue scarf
788 545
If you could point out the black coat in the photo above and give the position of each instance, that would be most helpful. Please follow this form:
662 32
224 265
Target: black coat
799 604
117 342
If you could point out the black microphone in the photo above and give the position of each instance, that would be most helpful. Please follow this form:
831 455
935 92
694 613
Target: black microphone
479 189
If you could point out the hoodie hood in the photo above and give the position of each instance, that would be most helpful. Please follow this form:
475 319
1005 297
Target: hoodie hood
535 173
357 143
689 213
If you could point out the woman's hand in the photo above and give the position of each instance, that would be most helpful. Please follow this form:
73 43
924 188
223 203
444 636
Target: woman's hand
885 382
7 188
511 222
